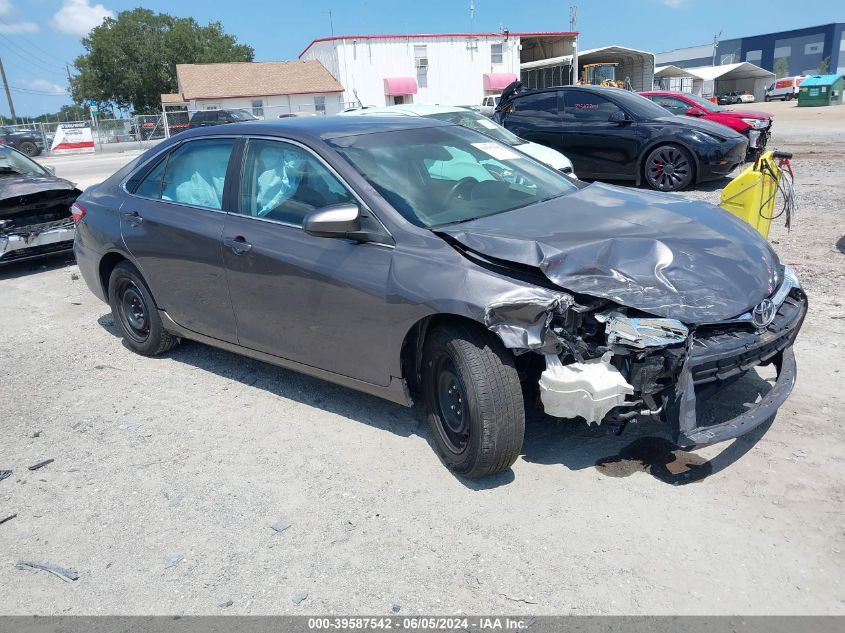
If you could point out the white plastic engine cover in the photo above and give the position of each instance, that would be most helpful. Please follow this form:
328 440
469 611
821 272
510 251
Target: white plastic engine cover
588 389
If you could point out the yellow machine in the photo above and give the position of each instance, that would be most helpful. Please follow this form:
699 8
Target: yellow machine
601 74
753 194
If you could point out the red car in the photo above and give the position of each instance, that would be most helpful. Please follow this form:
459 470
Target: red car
757 126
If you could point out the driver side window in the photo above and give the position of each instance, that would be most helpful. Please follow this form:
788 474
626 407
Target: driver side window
283 182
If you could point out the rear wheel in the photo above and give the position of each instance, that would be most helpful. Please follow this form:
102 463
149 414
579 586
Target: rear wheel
135 312
767 98
474 400
669 168
29 148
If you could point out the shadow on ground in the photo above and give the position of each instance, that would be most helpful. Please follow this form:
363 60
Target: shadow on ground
643 447
14 270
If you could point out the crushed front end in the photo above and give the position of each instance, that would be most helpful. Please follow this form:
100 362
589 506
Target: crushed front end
36 223
609 363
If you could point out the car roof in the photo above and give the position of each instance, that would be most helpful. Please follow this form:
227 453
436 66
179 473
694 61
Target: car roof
408 109
597 89
316 127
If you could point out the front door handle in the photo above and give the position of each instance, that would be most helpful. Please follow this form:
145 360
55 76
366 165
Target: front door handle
133 217
238 244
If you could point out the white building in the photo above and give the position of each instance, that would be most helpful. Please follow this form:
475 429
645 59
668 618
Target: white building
445 68
267 89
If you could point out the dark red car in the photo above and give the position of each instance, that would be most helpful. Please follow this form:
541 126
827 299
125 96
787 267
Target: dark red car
757 126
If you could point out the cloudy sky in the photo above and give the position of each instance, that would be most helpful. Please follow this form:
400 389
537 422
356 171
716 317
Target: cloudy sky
38 38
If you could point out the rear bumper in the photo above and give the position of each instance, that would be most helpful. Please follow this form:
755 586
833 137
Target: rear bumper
40 240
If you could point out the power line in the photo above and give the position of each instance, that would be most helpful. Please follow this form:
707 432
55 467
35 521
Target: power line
64 93
27 57
31 43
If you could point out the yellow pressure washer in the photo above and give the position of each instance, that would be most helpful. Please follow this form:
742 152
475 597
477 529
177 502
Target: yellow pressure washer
753 194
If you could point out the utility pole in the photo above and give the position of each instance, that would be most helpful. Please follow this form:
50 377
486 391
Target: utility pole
8 93
716 45
331 21
573 17
471 14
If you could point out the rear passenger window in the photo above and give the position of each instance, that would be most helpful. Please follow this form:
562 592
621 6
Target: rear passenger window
283 182
541 105
586 106
194 174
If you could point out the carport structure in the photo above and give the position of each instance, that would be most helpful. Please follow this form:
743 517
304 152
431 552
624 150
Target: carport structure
634 65
710 81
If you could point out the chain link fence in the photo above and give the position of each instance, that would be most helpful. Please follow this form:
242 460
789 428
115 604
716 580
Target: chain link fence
144 131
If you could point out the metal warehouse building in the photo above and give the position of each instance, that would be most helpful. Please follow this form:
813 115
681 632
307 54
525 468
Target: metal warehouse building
802 51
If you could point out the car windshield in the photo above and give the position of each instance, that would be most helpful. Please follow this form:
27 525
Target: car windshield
479 123
243 115
443 175
704 103
12 162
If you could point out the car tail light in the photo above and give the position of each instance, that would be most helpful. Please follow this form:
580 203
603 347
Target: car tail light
77 212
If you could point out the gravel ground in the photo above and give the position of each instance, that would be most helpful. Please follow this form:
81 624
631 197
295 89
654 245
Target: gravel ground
171 473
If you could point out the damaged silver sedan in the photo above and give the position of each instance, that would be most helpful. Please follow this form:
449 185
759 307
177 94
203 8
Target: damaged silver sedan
35 209
416 260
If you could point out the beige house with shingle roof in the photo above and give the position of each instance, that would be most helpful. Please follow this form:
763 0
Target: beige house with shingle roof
267 89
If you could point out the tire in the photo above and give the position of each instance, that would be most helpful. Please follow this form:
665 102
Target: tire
473 400
29 148
788 96
669 168
767 98
135 312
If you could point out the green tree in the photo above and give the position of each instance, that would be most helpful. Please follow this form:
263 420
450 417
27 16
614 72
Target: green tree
781 68
824 66
131 59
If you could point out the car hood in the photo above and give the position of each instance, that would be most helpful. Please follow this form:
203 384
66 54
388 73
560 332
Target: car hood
744 114
12 186
547 155
656 252
716 129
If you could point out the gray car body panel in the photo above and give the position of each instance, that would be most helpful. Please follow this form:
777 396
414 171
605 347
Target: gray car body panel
351 306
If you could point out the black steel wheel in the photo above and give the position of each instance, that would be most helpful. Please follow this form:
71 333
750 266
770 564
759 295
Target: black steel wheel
473 400
135 312
669 168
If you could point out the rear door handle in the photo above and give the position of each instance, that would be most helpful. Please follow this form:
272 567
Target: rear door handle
238 244
133 217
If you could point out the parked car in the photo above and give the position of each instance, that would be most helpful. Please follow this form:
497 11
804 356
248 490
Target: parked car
29 142
322 244
35 208
731 98
489 104
206 118
614 134
755 126
479 123
784 89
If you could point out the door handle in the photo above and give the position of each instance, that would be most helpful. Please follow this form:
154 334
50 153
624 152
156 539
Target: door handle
238 244
133 217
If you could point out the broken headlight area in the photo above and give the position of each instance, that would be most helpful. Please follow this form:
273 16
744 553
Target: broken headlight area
36 224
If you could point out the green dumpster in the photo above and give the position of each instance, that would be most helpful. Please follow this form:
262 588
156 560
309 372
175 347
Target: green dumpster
821 90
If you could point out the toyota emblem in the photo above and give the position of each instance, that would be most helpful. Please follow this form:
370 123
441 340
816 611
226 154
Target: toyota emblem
764 313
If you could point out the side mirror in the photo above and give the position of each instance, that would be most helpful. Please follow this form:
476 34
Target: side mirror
49 169
336 220
694 112
619 117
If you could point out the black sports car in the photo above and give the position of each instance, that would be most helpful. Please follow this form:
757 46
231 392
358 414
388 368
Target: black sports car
613 134
35 209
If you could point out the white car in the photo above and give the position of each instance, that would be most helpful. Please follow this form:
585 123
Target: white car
746 98
479 123
488 104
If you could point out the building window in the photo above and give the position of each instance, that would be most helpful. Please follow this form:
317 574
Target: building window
754 57
496 54
421 65
320 105
258 107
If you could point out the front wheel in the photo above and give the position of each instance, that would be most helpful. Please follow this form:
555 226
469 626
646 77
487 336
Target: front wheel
669 168
135 312
29 148
473 399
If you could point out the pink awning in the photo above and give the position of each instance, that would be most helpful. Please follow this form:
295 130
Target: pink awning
400 86
498 81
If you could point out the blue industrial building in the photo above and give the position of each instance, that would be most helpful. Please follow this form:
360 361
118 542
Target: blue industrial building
802 51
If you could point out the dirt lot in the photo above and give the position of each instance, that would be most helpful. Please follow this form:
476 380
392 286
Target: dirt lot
170 472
